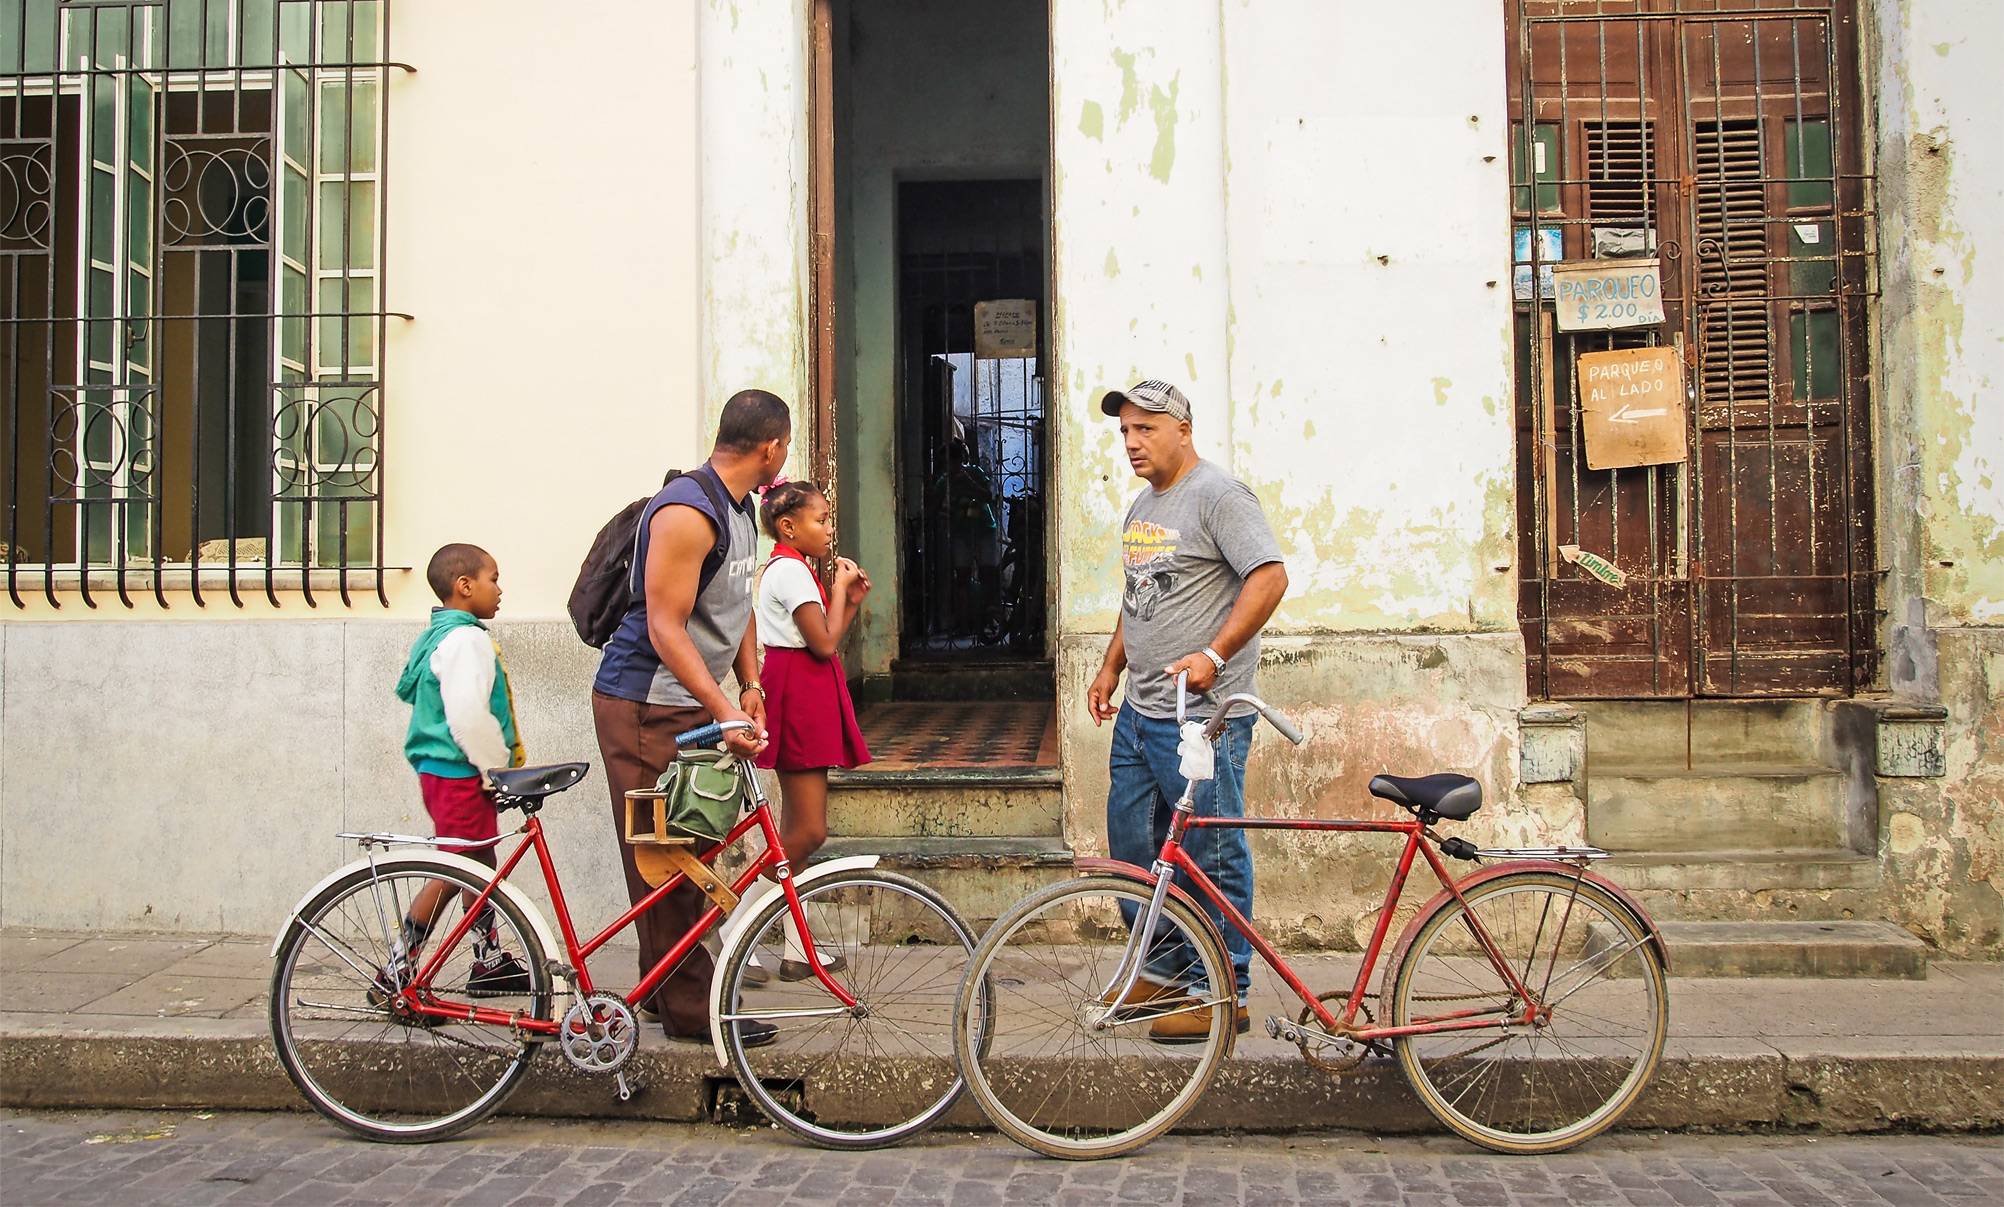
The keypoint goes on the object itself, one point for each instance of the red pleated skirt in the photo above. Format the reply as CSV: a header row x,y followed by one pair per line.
x,y
808,713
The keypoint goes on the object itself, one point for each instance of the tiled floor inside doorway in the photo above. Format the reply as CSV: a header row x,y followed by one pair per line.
x,y
957,735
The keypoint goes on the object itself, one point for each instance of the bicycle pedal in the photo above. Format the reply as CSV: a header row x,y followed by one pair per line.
x,y
1280,1028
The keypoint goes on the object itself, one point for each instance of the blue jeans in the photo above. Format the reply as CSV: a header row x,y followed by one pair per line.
x,y
1146,784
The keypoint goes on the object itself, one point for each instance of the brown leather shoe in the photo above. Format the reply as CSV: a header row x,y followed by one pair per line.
x,y
1144,992
1192,1026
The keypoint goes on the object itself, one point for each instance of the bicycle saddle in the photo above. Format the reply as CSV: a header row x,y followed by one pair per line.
x,y
1453,797
535,783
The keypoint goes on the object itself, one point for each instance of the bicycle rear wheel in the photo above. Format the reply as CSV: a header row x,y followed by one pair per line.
x,y
1053,1069
833,1074
1535,1088
351,1045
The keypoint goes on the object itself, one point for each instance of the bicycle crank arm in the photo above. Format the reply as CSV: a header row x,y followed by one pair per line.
x,y
1301,1037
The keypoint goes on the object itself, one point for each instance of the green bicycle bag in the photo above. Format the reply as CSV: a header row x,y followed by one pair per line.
x,y
705,794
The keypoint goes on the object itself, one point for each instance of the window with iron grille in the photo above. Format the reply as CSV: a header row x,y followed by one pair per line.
x,y
191,295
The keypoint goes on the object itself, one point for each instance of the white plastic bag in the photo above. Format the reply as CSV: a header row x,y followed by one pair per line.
x,y
1197,757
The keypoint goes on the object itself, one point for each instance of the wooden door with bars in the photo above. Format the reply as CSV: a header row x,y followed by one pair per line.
x,y
1720,138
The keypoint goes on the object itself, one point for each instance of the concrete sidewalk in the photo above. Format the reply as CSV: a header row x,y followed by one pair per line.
x,y
106,1020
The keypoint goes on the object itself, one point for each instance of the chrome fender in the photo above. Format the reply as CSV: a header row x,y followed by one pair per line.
x,y
553,947
737,932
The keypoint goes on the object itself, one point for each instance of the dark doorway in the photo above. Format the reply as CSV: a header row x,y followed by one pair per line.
x,y
972,450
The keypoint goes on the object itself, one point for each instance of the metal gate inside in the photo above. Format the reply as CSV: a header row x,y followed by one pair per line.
x,y
1704,157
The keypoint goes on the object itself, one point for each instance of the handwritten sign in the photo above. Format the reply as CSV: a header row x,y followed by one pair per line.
x,y
1632,400
1594,564
1605,295
1005,328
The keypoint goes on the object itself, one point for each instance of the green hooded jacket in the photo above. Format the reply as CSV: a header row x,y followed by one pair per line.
x,y
429,744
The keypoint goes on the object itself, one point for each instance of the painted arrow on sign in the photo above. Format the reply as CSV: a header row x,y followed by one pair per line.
x,y
1628,414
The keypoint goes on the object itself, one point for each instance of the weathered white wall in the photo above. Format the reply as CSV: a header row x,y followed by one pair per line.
x,y
1253,200
1940,453
1941,200
931,92
754,268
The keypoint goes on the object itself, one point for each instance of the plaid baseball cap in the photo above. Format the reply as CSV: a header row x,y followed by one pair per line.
x,y
1150,395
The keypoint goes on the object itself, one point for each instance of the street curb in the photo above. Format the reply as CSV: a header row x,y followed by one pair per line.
x,y
1702,1085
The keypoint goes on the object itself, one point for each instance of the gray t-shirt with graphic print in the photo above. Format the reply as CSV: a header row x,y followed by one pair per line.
x,y
1185,552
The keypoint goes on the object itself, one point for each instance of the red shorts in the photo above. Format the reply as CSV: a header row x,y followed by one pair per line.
x,y
458,808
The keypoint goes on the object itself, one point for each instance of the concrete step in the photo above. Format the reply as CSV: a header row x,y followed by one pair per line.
x,y
1720,806
1745,870
1677,732
981,877
947,804
1850,949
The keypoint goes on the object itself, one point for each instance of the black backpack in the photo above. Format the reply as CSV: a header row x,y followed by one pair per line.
x,y
607,586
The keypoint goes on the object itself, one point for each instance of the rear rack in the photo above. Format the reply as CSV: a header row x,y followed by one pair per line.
x,y
1561,853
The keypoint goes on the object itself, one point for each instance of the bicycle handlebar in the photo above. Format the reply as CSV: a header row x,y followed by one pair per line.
x,y
1274,716
705,735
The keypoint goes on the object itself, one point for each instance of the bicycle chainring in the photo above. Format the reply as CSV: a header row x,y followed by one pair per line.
x,y
1353,1051
599,1033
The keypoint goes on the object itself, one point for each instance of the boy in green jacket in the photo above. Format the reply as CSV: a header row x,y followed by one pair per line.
x,y
462,727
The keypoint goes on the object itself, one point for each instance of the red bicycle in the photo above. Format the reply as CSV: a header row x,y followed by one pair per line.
x,y
1526,1002
857,968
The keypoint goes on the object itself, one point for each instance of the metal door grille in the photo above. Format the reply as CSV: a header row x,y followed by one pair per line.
x,y
1722,136
191,294
971,438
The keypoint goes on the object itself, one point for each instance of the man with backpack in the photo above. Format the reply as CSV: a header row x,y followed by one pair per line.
x,y
686,623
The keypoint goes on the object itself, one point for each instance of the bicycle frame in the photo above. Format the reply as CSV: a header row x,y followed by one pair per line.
x,y
1175,858
772,860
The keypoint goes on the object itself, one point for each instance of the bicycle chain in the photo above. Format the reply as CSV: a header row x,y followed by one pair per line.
x,y
1351,1061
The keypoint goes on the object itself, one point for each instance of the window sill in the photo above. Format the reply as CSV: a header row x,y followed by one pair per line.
x,y
179,579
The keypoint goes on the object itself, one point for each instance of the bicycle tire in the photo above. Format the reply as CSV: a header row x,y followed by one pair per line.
x,y
350,1087
978,1035
1604,1043
908,990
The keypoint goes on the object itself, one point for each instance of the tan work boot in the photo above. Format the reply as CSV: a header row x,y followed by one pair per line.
x,y
1143,993
1192,1026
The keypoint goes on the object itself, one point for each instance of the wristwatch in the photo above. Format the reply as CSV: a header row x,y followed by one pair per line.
x,y
1213,656
756,686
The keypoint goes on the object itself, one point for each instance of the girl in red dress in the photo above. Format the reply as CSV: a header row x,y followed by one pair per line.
x,y
808,713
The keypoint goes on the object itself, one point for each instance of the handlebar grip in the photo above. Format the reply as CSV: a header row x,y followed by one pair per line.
x,y
1278,720
702,735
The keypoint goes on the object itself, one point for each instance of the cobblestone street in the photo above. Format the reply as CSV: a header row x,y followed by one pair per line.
x,y
195,1158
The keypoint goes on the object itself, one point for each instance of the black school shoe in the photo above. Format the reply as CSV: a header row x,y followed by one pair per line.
x,y
504,974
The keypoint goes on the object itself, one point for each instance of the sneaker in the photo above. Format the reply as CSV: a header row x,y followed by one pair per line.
x,y
800,970
751,1032
502,974
1192,1026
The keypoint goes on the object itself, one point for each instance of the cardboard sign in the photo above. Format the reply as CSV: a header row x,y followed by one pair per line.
x,y
1605,295
1594,564
1632,401
1005,328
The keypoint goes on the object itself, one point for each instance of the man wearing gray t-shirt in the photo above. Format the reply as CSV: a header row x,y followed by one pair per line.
x,y
1203,574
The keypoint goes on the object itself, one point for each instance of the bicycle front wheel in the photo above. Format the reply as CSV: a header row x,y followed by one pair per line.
x,y
1056,1066
352,1045
1598,980
834,1073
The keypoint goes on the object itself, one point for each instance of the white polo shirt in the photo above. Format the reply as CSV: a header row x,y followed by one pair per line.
x,y
786,584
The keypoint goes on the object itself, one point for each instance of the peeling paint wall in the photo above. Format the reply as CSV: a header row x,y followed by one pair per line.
x,y
754,228
1940,455
1343,334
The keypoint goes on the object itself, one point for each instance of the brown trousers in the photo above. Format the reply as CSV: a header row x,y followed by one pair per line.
x,y
636,742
